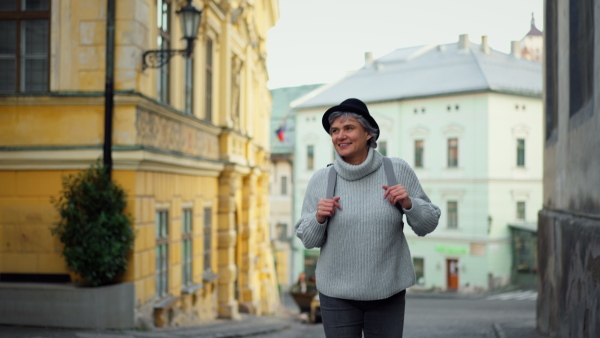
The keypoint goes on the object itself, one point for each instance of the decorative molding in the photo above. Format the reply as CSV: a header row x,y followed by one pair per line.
x,y
520,130
458,193
138,160
419,131
453,129
308,138
520,194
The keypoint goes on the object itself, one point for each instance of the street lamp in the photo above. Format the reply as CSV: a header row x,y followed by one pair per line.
x,y
190,21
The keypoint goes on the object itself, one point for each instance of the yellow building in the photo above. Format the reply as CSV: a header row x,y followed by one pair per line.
x,y
193,158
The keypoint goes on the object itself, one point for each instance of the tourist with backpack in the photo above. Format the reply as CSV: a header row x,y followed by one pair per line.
x,y
353,211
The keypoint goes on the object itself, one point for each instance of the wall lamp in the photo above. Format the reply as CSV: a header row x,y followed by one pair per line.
x,y
190,21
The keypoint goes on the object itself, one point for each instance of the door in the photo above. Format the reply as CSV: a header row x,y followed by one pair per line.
x,y
452,273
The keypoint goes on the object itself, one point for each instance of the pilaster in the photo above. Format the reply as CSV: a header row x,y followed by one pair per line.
x,y
247,251
226,242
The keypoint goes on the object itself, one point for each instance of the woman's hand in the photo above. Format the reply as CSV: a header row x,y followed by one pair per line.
x,y
397,194
326,208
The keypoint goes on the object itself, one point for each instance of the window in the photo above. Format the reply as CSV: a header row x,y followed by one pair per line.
x,y
208,75
521,210
284,185
520,152
186,239
419,154
24,46
382,148
207,238
310,157
164,42
419,264
162,253
452,153
452,214
282,230
189,85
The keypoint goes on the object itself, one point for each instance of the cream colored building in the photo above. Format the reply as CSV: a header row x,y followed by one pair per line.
x,y
282,131
198,168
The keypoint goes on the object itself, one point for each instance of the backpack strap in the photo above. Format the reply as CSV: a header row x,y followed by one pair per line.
x,y
332,178
391,178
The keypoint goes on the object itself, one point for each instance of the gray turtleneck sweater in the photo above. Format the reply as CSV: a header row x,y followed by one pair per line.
x,y
364,254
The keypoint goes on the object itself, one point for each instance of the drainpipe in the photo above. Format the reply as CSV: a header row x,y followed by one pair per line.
x,y
109,88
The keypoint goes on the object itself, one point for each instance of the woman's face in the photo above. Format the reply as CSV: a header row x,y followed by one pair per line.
x,y
350,139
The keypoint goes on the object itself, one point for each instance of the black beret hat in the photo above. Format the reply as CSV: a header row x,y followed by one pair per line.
x,y
353,106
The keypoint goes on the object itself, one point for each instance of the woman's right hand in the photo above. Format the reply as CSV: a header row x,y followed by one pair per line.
x,y
326,208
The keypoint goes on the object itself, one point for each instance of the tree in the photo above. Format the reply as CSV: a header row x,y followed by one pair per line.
x,y
93,228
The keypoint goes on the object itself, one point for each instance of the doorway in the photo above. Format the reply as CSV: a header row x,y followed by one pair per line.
x,y
452,274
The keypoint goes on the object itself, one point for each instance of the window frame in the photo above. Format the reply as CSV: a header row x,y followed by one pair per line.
x,y
284,185
19,16
452,218
207,237
521,210
521,153
162,253
187,246
208,82
452,152
422,259
310,157
164,42
419,153
382,145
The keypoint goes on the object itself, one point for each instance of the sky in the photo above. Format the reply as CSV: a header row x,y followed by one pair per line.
x,y
320,41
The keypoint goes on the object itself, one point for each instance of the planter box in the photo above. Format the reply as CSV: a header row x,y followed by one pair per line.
x,y
105,307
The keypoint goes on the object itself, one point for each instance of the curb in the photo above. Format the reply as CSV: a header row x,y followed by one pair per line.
x,y
498,331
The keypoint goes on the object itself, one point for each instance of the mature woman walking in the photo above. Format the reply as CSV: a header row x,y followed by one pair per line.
x,y
365,265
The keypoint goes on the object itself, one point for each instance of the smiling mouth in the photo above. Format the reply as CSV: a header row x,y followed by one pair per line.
x,y
343,145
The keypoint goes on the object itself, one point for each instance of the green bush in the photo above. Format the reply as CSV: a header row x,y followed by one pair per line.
x,y
93,228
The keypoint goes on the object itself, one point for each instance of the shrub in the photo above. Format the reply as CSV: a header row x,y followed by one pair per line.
x,y
93,228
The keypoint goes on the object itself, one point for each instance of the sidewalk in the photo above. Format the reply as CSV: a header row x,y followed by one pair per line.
x,y
246,327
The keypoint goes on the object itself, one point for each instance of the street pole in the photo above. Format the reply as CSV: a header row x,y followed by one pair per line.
x,y
109,87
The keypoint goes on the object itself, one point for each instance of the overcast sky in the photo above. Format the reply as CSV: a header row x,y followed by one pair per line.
x,y
319,41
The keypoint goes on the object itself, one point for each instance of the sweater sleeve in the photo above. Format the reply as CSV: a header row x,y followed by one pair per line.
x,y
312,233
424,216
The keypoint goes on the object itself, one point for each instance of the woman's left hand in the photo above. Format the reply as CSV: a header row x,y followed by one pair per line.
x,y
397,194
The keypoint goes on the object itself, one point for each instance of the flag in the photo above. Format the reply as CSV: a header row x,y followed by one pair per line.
x,y
280,132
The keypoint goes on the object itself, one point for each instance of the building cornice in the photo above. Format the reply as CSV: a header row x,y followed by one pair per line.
x,y
531,94
124,158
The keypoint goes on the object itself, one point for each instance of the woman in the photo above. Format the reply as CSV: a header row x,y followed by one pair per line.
x,y
365,266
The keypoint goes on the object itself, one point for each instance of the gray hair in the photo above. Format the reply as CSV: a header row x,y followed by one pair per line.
x,y
372,142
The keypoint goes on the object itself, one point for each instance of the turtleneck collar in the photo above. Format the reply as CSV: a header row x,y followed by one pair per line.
x,y
352,172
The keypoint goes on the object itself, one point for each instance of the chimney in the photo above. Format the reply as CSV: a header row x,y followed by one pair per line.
x,y
368,58
515,49
463,41
485,48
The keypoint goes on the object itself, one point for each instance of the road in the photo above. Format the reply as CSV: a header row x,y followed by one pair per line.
x,y
427,315
452,315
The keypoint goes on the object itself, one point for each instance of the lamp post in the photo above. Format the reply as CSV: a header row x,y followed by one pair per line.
x,y
190,22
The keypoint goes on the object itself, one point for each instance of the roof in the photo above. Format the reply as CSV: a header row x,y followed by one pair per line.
x,y
282,113
432,70
534,31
